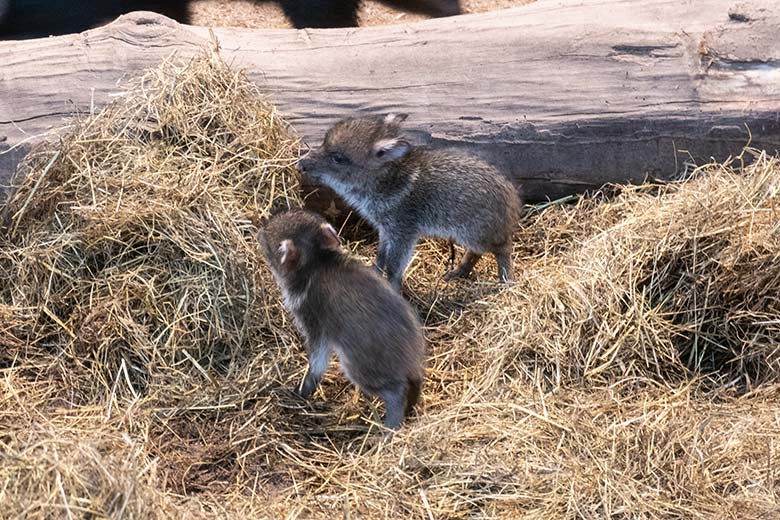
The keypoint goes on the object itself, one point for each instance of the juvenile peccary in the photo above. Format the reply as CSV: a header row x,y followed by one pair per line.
x,y
406,192
341,305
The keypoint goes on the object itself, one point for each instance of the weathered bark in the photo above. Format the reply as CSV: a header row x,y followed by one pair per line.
x,y
562,95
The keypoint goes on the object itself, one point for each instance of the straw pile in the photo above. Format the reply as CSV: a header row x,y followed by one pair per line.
x,y
631,372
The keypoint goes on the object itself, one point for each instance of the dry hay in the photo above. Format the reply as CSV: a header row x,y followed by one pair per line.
x,y
136,285
631,372
656,282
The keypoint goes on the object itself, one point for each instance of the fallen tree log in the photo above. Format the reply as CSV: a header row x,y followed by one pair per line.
x,y
562,96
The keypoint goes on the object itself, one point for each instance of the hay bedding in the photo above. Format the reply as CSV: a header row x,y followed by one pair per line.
x,y
631,372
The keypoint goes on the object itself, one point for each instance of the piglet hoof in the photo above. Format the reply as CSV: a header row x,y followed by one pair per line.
x,y
386,435
305,391
452,275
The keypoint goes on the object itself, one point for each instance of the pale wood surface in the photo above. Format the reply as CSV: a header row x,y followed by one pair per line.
x,y
563,95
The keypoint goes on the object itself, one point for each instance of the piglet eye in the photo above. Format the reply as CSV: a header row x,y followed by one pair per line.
x,y
339,158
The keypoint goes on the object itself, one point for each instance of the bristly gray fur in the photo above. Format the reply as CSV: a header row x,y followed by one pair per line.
x,y
409,192
341,305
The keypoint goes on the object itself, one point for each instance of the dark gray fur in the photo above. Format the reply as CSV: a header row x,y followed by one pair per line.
x,y
41,18
341,305
408,192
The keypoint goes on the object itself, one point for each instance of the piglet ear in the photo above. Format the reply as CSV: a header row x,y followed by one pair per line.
x,y
288,254
386,150
330,238
395,119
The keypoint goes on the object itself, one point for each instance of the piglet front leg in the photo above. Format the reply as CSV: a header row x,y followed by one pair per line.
x,y
319,353
399,250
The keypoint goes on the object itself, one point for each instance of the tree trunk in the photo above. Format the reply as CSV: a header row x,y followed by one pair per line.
x,y
563,96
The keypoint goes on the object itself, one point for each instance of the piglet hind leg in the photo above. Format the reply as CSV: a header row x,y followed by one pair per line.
x,y
413,394
394,397
470,259
504,261
381,257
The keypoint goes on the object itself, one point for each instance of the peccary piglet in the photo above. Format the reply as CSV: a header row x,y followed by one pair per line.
x,y
341,305
406,192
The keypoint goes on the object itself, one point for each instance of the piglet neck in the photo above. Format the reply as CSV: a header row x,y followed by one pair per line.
x,y
324,260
